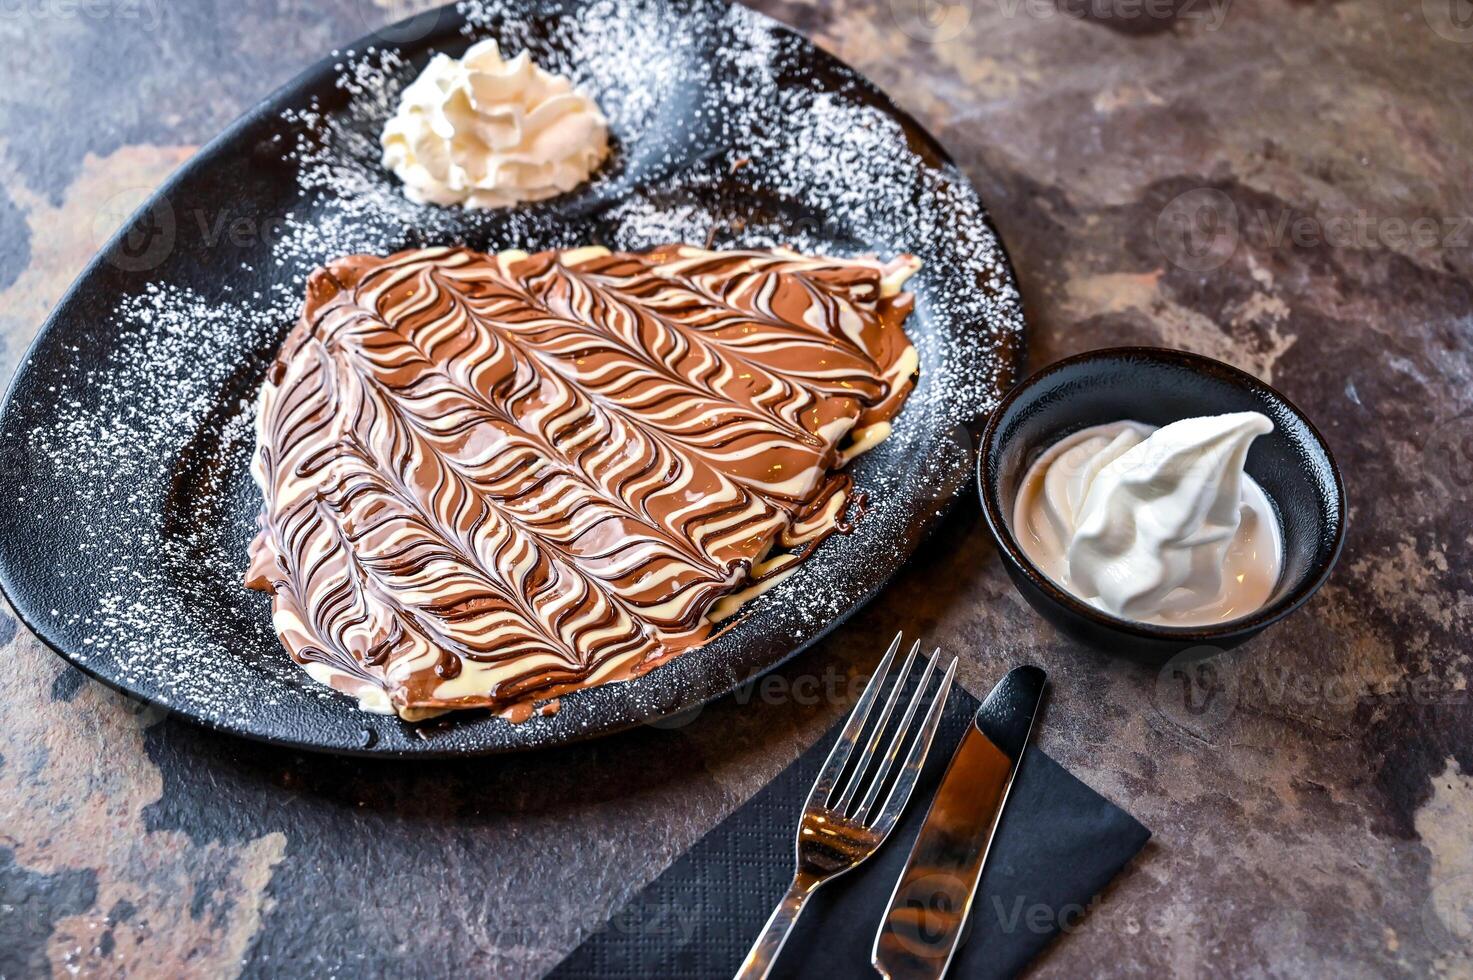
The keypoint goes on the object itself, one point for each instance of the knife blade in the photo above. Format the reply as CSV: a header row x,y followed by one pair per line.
x,y
923,926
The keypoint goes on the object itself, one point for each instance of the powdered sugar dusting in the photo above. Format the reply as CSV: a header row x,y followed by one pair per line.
x,y
727,128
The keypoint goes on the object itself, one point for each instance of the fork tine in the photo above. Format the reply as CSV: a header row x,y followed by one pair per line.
x,y
867,756
906,781
877,781
839,754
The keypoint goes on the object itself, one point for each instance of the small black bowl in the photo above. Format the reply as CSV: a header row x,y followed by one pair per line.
x,y
1157,386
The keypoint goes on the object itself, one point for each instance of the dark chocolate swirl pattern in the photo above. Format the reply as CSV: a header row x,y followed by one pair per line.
x,y
490,480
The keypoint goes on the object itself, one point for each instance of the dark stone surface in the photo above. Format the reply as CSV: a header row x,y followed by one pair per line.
x,y
1310,799
29,904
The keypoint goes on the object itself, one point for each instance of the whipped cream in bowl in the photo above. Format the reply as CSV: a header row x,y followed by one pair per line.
x,y
1151,502
1158,525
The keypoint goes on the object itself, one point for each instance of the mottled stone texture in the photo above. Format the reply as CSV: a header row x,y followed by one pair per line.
x,y
1312,799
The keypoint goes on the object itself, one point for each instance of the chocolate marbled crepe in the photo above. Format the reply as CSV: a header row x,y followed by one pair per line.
x,y
490,480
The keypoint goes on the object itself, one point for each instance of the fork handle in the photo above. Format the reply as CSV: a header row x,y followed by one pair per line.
x,y
764,951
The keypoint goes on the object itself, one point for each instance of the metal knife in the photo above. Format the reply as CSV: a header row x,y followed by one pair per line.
x,y
921,931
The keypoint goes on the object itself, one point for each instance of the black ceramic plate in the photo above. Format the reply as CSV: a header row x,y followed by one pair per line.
x,y
126,504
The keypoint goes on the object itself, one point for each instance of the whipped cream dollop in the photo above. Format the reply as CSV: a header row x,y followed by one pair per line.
x,y
1156,525
484,132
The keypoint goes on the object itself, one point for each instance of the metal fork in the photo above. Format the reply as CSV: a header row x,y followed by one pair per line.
x,y
841,828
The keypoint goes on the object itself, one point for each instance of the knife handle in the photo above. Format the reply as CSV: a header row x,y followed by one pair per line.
x,y
933,897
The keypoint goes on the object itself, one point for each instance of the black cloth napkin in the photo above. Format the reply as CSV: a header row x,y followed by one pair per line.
x,y
1060,843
